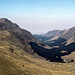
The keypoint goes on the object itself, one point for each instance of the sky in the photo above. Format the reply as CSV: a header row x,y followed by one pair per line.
x,y
39,16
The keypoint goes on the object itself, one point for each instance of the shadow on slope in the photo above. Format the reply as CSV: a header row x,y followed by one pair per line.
x,y
57,42
54,54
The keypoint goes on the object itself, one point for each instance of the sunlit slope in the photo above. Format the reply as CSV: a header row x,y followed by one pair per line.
x,y
16,64
15,61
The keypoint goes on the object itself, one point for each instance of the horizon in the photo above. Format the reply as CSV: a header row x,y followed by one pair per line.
x,y
39,16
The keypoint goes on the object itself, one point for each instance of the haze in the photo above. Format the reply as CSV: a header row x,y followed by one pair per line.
x,y
39,16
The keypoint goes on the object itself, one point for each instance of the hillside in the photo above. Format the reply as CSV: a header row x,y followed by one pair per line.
x,y
21,37
15,61
66,44
69,35
55,33
52,33
62,44
50,36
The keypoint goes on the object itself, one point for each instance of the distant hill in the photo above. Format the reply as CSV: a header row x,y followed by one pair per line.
x,y
62,41
61,37
52,33
55,33
69,35
43,38
50,36
65,42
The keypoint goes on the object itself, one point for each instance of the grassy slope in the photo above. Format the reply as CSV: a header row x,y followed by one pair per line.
x,y
21,63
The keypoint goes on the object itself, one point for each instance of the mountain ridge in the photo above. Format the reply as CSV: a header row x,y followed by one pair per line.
x,y
23,35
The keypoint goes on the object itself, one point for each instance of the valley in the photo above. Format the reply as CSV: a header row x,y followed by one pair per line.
x,y
21,53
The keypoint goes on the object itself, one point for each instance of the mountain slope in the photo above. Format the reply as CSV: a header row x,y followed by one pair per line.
x,y
62,45
69,35
55,33
65,44
19,62
50,36
22,35
52,33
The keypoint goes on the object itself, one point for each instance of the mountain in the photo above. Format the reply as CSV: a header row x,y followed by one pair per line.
x,y
5,24
50,36
66,44
43,38
62,43
17,50
63,37
51,33
24,36
69,35
55,33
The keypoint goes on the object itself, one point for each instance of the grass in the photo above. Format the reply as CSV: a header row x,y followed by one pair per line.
x,y
19,62
16,64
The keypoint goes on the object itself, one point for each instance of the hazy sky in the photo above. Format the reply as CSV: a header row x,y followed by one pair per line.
x,y
39,16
